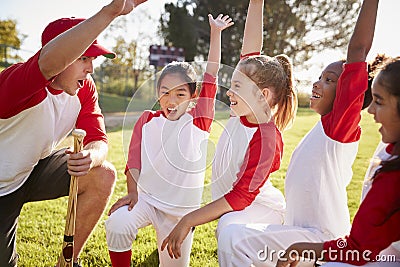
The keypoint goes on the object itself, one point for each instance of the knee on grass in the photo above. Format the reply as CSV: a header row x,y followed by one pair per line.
x,y
119,234
100,180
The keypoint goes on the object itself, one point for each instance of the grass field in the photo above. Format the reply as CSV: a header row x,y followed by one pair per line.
x,y
41,224
115,103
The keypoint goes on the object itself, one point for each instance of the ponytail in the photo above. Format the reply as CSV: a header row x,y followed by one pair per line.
x,y
276,74
287,101
373,68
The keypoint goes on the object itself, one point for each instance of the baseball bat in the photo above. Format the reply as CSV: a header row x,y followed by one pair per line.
x,y
67,256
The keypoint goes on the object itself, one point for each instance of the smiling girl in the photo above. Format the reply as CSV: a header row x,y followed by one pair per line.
x,y
263,103
166,161
376,223
321,165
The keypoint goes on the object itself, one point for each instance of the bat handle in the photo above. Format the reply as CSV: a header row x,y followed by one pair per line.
x,y
67,255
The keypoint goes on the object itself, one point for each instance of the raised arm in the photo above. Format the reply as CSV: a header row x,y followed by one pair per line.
x,y
63,50
217,25
361,40
253,28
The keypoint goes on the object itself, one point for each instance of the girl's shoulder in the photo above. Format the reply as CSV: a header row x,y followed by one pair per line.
x,y
147,115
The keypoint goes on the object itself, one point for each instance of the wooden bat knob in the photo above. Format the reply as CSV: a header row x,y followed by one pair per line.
x,y
78,135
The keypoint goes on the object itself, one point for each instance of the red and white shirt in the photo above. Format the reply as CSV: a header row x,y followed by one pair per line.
x,y
321,165
34,119
171,155
245,156
376,223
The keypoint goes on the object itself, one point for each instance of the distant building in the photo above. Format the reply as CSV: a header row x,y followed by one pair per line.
x,y
161,55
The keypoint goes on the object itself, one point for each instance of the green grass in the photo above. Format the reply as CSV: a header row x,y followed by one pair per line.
x,y
41,224
115,103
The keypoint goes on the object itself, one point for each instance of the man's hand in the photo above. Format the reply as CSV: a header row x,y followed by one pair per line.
x,y
79,164
123,7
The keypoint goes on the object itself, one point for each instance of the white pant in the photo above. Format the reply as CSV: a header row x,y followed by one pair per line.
x,y
259,244
255,213
122,227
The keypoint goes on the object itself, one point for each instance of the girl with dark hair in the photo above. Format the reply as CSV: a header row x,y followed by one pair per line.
x,y
321,165
376,223
166,160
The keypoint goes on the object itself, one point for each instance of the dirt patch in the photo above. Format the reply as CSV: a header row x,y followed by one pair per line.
x,y
116,120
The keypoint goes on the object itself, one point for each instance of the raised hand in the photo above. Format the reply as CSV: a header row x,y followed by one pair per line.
x,y
220,23
124,7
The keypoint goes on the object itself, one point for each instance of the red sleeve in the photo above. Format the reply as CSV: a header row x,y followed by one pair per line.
x,y
250,54
375,226
134,153
90,117
263,157
22,86
341,124
203,112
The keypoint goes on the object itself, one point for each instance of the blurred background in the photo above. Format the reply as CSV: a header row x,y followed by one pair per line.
x,y
311,33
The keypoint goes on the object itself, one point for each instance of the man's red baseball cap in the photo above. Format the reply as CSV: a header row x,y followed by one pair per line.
x,y
61,25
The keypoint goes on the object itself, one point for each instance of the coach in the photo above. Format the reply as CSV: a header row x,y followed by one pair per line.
x,y
41,101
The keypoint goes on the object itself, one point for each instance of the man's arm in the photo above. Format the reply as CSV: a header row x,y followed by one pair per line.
x,y
92,155
63,50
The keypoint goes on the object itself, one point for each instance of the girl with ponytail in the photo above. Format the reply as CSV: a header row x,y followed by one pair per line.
x,y
320,167
274,74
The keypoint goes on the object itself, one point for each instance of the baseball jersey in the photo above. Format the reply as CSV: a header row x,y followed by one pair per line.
x,y
245,156
171,155
382,152
35,118
375,225
321,165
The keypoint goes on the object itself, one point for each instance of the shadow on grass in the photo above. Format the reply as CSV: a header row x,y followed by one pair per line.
x,y
150,261
113,129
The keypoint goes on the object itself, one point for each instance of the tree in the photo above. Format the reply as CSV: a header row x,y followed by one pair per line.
x,y
9,40
183,36
123,74
298,28
121,70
